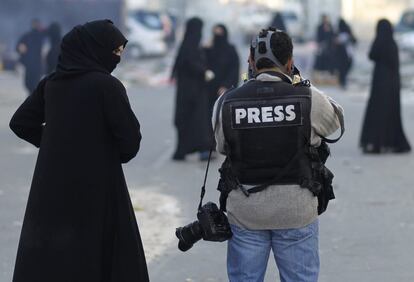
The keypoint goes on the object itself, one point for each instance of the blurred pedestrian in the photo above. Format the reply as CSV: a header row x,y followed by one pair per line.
x,y
324,60
344,44
382,130
54,34
191,106
278,22
79,223
224,61
29,47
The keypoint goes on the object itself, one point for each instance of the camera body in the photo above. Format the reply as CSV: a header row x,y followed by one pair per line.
x,y
212,225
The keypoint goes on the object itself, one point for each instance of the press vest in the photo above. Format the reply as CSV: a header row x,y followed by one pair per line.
x,y
267,125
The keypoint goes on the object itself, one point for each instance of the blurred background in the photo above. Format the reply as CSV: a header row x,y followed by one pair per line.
x,y
367,234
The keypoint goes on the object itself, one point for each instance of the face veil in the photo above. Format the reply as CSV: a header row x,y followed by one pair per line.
x,y
88,48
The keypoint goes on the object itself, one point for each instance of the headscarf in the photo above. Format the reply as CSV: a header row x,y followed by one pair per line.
x,y
193,33
343,26
221,41
89,48
190,44
384,30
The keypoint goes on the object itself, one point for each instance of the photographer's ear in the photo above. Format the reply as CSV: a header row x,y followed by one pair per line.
x,y
252,63
290,66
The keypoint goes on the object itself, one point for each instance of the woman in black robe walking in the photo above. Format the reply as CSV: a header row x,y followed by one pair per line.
x,y
79,223
325,35
382,130
29,48
191,106
344,43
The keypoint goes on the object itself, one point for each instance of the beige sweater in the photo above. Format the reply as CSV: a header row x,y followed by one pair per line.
x,y
280,206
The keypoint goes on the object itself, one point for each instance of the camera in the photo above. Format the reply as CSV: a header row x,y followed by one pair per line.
x,y
212,225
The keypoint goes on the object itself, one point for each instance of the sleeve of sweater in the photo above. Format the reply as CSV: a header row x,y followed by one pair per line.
x,y
218,126
324,120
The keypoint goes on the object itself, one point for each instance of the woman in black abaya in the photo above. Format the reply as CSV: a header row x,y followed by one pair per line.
x,y
344,42
324,60
79,223
223,60
382,129
191,106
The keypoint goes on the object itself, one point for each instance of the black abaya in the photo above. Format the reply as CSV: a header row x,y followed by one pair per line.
x,y
382,130
191,106
343,57
223,60
324,60
79,223
32,58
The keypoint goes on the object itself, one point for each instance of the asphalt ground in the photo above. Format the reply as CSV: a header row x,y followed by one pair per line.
x,y
366,235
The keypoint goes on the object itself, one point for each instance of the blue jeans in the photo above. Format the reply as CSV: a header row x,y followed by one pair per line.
x,y
296,253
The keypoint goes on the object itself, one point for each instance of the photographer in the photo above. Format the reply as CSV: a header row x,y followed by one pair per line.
x,y
268,129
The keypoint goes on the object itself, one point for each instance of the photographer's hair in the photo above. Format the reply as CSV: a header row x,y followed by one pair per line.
x,y
281,45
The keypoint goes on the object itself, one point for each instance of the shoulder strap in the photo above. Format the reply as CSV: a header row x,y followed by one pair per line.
x,y
279,176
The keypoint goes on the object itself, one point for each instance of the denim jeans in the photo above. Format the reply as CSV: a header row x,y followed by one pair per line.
x,y
296,253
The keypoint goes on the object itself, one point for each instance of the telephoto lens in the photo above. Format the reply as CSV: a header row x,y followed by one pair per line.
x,y
188,235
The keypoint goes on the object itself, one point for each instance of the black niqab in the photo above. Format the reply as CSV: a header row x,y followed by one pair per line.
x,y
384,30
221,40
191,42
343,26
192,35
88,48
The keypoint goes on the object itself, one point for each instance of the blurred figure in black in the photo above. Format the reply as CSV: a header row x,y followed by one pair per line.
x,y
191,108
223,60
344,43
325,37
29,47
382,130
54,34
278,22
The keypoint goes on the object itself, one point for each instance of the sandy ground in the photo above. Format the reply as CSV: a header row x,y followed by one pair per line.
x,y
157,215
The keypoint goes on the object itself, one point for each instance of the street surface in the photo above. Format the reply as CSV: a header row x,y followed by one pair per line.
x,y
366,235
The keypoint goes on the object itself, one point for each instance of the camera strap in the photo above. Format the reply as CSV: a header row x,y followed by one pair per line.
x,y
342,124
217,116
203,188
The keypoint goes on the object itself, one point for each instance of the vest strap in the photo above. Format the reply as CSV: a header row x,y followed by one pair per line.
x,y
279,176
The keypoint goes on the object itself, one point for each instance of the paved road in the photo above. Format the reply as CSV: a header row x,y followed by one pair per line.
x,y
367,234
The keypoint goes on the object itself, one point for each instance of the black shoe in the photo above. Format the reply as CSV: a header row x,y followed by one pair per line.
x,y
178,157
